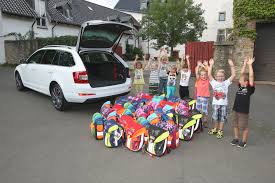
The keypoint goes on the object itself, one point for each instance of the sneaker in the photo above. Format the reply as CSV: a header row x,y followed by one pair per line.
x,y
213,131
220,134
234,142
242,144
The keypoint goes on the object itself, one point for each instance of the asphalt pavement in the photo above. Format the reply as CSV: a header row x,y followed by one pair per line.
x,y
41,145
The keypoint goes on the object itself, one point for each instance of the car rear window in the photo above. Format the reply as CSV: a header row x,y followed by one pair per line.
x,y
66,59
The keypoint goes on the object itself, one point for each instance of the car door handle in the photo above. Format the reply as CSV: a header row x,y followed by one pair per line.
x,y
33,69
50,72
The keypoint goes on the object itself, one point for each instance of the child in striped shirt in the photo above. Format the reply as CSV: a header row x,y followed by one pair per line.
x,y
154,77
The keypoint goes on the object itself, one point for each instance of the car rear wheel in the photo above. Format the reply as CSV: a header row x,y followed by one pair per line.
x,y
18,81
58,99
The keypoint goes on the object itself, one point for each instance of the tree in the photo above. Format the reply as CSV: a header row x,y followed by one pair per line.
x,y
173,22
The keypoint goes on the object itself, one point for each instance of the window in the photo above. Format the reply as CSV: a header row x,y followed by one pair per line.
x,y
36,57
41,21
56,59
48,57
221,35
66,10
224,34
222,16
97,57
66,59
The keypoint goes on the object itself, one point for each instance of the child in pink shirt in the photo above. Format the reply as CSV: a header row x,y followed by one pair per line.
x,y
202,91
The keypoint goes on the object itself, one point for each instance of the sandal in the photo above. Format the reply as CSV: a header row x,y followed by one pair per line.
x,y
213,131
220,134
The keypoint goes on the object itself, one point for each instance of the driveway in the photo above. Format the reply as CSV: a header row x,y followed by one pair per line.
x,y
40,144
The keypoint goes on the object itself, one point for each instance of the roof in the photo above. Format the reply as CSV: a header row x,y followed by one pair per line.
x,y
128,5
83,11
17,7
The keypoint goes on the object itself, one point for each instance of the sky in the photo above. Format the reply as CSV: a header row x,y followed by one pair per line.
x,y
107,3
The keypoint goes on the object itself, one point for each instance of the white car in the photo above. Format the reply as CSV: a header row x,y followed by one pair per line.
x,y
89,71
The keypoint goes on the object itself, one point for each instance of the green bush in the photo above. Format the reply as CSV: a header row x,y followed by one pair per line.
x,y
131,52
62,40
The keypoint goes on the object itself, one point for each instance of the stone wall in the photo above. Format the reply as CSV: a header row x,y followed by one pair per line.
x,y
18,50
223,52
237,51
243,47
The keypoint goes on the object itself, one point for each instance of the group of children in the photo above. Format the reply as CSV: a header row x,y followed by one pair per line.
x,y
163,78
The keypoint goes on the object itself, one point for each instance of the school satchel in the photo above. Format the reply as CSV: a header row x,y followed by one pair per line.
x,y
113,134
97,126
195,114
157,141
134,133
191,103
170,126
186,127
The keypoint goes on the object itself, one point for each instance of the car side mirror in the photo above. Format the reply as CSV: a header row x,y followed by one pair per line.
x,y
22,61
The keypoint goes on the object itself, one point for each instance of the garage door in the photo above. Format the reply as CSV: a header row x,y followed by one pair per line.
x,y
265,52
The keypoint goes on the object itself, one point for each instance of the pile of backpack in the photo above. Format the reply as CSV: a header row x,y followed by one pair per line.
x,y
152,124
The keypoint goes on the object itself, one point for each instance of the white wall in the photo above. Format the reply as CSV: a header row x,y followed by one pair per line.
x,y
40,7
211,15
9,24
16,24
63,30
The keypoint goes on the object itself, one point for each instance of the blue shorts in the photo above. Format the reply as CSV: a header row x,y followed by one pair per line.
x,y
219,113
202,104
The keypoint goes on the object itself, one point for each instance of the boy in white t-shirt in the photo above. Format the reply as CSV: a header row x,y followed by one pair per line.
x,y
220,102
185,73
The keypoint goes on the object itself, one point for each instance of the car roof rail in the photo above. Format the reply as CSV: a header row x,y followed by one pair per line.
x,y
57,46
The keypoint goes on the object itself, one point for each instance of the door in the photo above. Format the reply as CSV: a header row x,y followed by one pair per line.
x,y
100,35
30,70
46,70
264,66
199,51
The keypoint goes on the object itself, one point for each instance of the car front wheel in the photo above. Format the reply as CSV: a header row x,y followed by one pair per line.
x,y
58,99
18,81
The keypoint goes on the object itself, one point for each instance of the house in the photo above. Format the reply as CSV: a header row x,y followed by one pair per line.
x,y
218,16
21,19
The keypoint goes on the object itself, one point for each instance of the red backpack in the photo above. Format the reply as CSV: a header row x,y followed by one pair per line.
x,y
134,133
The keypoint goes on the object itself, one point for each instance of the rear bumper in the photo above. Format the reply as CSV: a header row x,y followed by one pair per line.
x,y
93,94
93,100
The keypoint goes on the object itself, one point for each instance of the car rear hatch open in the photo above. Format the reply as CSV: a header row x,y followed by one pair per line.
x,y
95,45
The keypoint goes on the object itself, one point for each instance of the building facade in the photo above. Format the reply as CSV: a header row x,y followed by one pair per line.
x,y
24,19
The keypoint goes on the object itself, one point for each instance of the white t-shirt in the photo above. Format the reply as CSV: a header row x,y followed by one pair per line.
x,y
220,90
172,79
184,78
163,71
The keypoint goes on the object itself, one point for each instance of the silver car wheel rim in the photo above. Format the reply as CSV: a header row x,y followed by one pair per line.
x,y
57,97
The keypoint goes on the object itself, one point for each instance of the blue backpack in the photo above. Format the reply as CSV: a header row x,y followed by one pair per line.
x,y
113,134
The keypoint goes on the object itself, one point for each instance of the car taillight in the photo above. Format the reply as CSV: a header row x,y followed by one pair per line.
x,y
81,77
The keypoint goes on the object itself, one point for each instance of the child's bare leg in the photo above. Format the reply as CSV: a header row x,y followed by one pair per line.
x,y
221,126
245,135
216,124
205,120
236,132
